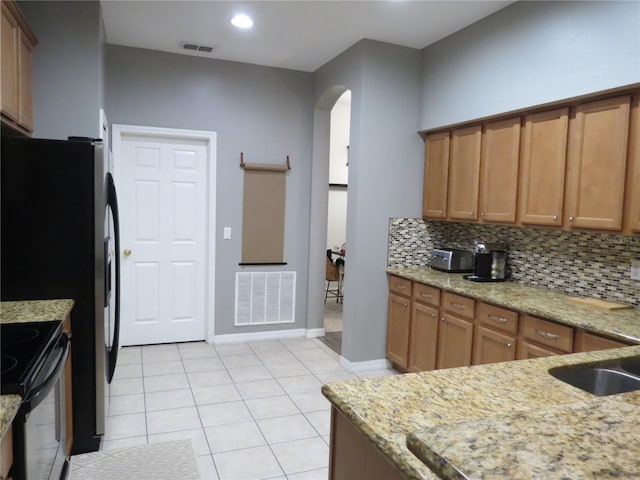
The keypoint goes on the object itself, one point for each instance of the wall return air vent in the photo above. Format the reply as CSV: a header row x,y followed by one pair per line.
x,y
195,47
265,298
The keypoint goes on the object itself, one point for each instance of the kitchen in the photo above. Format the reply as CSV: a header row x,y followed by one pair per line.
x,y
147,88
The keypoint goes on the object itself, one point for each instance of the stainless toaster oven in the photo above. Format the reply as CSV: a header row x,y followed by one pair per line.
x,y
452,260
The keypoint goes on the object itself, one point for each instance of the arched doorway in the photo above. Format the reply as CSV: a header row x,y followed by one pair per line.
x,y
339,131
319,241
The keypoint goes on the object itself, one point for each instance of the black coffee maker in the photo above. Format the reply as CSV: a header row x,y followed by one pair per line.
x,y
489,265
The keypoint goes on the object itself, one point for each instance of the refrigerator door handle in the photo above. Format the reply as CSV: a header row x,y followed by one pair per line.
x,y
112,202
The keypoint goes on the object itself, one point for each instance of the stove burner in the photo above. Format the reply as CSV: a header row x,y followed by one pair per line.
x,y
25,349
7,363
19,335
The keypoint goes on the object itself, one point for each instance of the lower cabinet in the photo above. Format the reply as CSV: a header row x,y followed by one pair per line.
x,y
492,346
542,338
423,338
495,338
455,341
353,456
589,342
398,328
429,328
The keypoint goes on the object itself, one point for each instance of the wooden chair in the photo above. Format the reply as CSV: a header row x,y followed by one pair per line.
x,y
333,274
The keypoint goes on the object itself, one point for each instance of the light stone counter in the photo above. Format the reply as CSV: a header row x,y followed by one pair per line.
x,y
24,312
34,310
456,401
618,324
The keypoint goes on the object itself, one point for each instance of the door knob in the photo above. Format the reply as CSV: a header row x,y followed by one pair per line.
x,y
127,252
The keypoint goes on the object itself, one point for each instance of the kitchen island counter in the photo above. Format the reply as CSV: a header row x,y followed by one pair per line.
x,y
623,325
390,411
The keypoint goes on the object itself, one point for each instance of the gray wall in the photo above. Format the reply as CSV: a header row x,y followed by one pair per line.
x,y
385,177
264,112
528,54
67,67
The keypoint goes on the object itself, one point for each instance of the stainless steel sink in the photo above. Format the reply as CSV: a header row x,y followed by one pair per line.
x,y
603,379
631,365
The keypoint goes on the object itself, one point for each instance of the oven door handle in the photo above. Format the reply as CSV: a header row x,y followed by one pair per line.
x,y
40,391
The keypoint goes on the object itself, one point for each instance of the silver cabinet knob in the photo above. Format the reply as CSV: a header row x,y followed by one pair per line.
x,y
571,219
555,218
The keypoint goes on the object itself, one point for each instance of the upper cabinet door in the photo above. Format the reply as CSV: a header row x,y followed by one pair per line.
x,y
499,176
633,177
464,173
9,63
597,159
544,155
436,175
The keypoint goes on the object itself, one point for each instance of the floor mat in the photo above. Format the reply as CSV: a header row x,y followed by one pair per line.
x,y
159,461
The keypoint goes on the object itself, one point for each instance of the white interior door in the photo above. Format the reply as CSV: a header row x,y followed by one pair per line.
x,y
164,182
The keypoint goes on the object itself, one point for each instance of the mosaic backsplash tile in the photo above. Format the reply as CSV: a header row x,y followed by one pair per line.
x,y
576,263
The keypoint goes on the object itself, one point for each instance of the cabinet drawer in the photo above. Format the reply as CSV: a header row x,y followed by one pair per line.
x,y
547,333
458,305
498,318
401,286
426,294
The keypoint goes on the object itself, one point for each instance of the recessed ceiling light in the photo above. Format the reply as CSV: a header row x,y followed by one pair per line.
x,y
242,21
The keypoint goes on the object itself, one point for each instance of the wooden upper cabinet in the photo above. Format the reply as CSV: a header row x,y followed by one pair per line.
x,y
633,176
597,159
25,76
543,162
464,173
499,171
9,63
16,75
436,175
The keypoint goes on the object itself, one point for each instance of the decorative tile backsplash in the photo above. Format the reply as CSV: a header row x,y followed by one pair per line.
x,y
576,263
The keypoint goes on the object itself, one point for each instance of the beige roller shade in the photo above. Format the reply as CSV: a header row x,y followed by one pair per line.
x,y
263,214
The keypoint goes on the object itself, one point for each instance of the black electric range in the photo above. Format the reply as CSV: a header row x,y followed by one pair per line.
x,y
26,348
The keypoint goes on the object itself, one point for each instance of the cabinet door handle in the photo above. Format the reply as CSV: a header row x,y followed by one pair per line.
x,y
443,319
497,319
571,219
459,306
405,305
509,345
555,218
544,334
433,315
471,213
426,295
401,287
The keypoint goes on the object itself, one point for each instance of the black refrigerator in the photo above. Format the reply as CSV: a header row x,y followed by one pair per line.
x,y
59,235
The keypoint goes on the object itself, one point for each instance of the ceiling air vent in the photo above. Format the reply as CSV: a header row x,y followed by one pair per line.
x,y
196,47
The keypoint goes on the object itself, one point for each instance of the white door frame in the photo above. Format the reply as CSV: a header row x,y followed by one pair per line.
x,y
210,138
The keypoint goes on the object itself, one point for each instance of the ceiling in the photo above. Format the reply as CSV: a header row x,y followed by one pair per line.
x,y
299,35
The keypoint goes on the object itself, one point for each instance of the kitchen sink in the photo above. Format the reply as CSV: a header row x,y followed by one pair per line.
x,y
631,365
603,379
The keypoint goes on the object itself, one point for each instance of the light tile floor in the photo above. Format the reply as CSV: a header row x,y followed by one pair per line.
x,y
251,410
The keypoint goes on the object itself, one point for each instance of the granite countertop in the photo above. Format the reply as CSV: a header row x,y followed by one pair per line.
x,y
34,310
509,400
24,312
623,325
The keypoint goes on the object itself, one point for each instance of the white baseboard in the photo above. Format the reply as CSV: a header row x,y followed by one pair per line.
x,y
269,335
379,364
